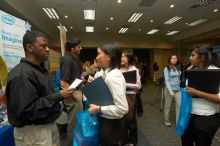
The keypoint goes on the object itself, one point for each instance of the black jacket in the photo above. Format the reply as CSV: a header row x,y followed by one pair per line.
x,y
30,96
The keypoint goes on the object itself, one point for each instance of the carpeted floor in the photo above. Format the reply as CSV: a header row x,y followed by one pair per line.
x,y
152,131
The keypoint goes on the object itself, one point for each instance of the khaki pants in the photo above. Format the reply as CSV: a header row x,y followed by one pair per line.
x,y
72,107
37,135
167,105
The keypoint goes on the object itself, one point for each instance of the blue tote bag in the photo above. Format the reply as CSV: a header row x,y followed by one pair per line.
x,y
87,130
185,112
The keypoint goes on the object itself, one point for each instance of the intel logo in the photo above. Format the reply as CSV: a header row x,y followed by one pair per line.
x,y
8,19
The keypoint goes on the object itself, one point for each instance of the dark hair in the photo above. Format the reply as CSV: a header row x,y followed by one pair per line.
x,y
30,37
114,52
131,58
204,53
169,63
72,43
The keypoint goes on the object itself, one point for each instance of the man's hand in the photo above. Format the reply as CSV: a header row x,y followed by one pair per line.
x,y
67,93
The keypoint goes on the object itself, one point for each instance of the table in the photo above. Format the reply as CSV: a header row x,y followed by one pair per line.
x,y
6,136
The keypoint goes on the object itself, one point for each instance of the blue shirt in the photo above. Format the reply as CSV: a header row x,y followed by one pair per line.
x,y
172,79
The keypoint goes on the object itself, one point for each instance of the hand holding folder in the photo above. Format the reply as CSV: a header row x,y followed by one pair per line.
x,y
97,92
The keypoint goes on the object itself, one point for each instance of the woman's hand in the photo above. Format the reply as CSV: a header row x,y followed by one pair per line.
x,y
192,91
93,109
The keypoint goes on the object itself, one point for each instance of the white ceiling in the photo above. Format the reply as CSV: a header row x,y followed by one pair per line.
x,y
160,12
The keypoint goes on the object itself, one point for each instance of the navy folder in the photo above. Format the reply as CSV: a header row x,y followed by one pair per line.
x,y
97,92
207,80
130,76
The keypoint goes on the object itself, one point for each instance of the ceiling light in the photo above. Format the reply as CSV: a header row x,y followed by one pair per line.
x,y
134,17
216,10
172,20
51,12
71,27
153,31
111,18
89,14
172,32
197,22
123,30
119,1
205,2
89,28
139,29
172,6
202,3
107,28
151,20
186,23
66,16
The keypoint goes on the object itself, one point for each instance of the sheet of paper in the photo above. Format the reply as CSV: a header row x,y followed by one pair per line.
x,y
75,84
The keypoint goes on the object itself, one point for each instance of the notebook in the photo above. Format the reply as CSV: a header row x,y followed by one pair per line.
x,y
130,76
97,92
207,80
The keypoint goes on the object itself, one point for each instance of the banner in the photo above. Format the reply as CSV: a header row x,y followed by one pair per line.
x,y
12,30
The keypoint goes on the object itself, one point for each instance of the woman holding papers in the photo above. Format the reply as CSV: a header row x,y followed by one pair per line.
x,y
113,131
127,64
205,118
172,83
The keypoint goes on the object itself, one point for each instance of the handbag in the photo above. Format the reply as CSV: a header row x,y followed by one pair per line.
x,y
185,112
87,129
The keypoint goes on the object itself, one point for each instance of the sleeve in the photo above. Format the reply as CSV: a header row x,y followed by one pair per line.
x,y
167,81
120,107
25,102
138,82
66,70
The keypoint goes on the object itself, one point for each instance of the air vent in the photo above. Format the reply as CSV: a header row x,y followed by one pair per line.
x,y
202,3
147,3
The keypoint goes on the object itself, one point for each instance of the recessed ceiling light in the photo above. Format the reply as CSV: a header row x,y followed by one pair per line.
x,y
89,28
172,6
134,17
107,28
51,13
216,10
172,32
151,20
111,18
89,14
186,23
153,31
139,29
66,16
197,22
172,20
119,1
71,27
123,30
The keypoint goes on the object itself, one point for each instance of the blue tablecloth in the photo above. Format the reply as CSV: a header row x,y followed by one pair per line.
x,y
6,136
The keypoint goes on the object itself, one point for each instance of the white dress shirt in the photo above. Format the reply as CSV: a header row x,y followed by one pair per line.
x,y
116,84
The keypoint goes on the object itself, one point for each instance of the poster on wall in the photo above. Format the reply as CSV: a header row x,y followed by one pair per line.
x,y
12,30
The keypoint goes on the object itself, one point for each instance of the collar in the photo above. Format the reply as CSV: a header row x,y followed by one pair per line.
x,y
41,66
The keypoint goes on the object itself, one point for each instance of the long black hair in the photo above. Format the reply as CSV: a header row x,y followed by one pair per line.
x,y
114,52
206,54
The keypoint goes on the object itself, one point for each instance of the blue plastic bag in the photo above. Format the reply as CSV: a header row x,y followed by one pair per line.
x,y
87,130
185,112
